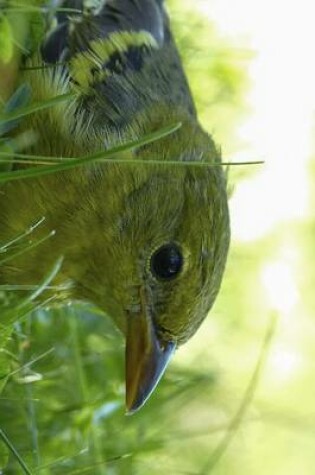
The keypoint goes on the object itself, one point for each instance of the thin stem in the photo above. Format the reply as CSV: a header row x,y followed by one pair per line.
x,y
16,454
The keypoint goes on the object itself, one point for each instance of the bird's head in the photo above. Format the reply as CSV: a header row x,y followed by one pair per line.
x,y
158,267
147,243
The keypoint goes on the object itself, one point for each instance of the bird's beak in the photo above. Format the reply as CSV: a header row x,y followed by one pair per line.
x,y
146,359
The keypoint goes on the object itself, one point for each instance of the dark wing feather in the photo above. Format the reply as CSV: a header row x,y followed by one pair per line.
x,y
114,16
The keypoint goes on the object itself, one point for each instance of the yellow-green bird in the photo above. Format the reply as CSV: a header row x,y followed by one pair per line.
x,y
147,243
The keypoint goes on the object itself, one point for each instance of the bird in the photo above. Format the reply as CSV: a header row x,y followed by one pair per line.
x,y
145,242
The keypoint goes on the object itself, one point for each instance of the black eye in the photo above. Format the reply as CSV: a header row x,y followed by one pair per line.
x,y
167,262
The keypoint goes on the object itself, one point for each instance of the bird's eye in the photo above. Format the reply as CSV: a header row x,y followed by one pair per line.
x,y
167,262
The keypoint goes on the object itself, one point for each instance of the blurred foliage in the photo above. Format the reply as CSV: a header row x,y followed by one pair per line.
x,y
61,369
217,71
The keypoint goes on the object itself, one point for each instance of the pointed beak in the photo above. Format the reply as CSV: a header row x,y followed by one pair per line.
x,y
146,359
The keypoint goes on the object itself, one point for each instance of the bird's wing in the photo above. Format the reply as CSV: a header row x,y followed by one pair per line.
x,y
121,55
95,20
